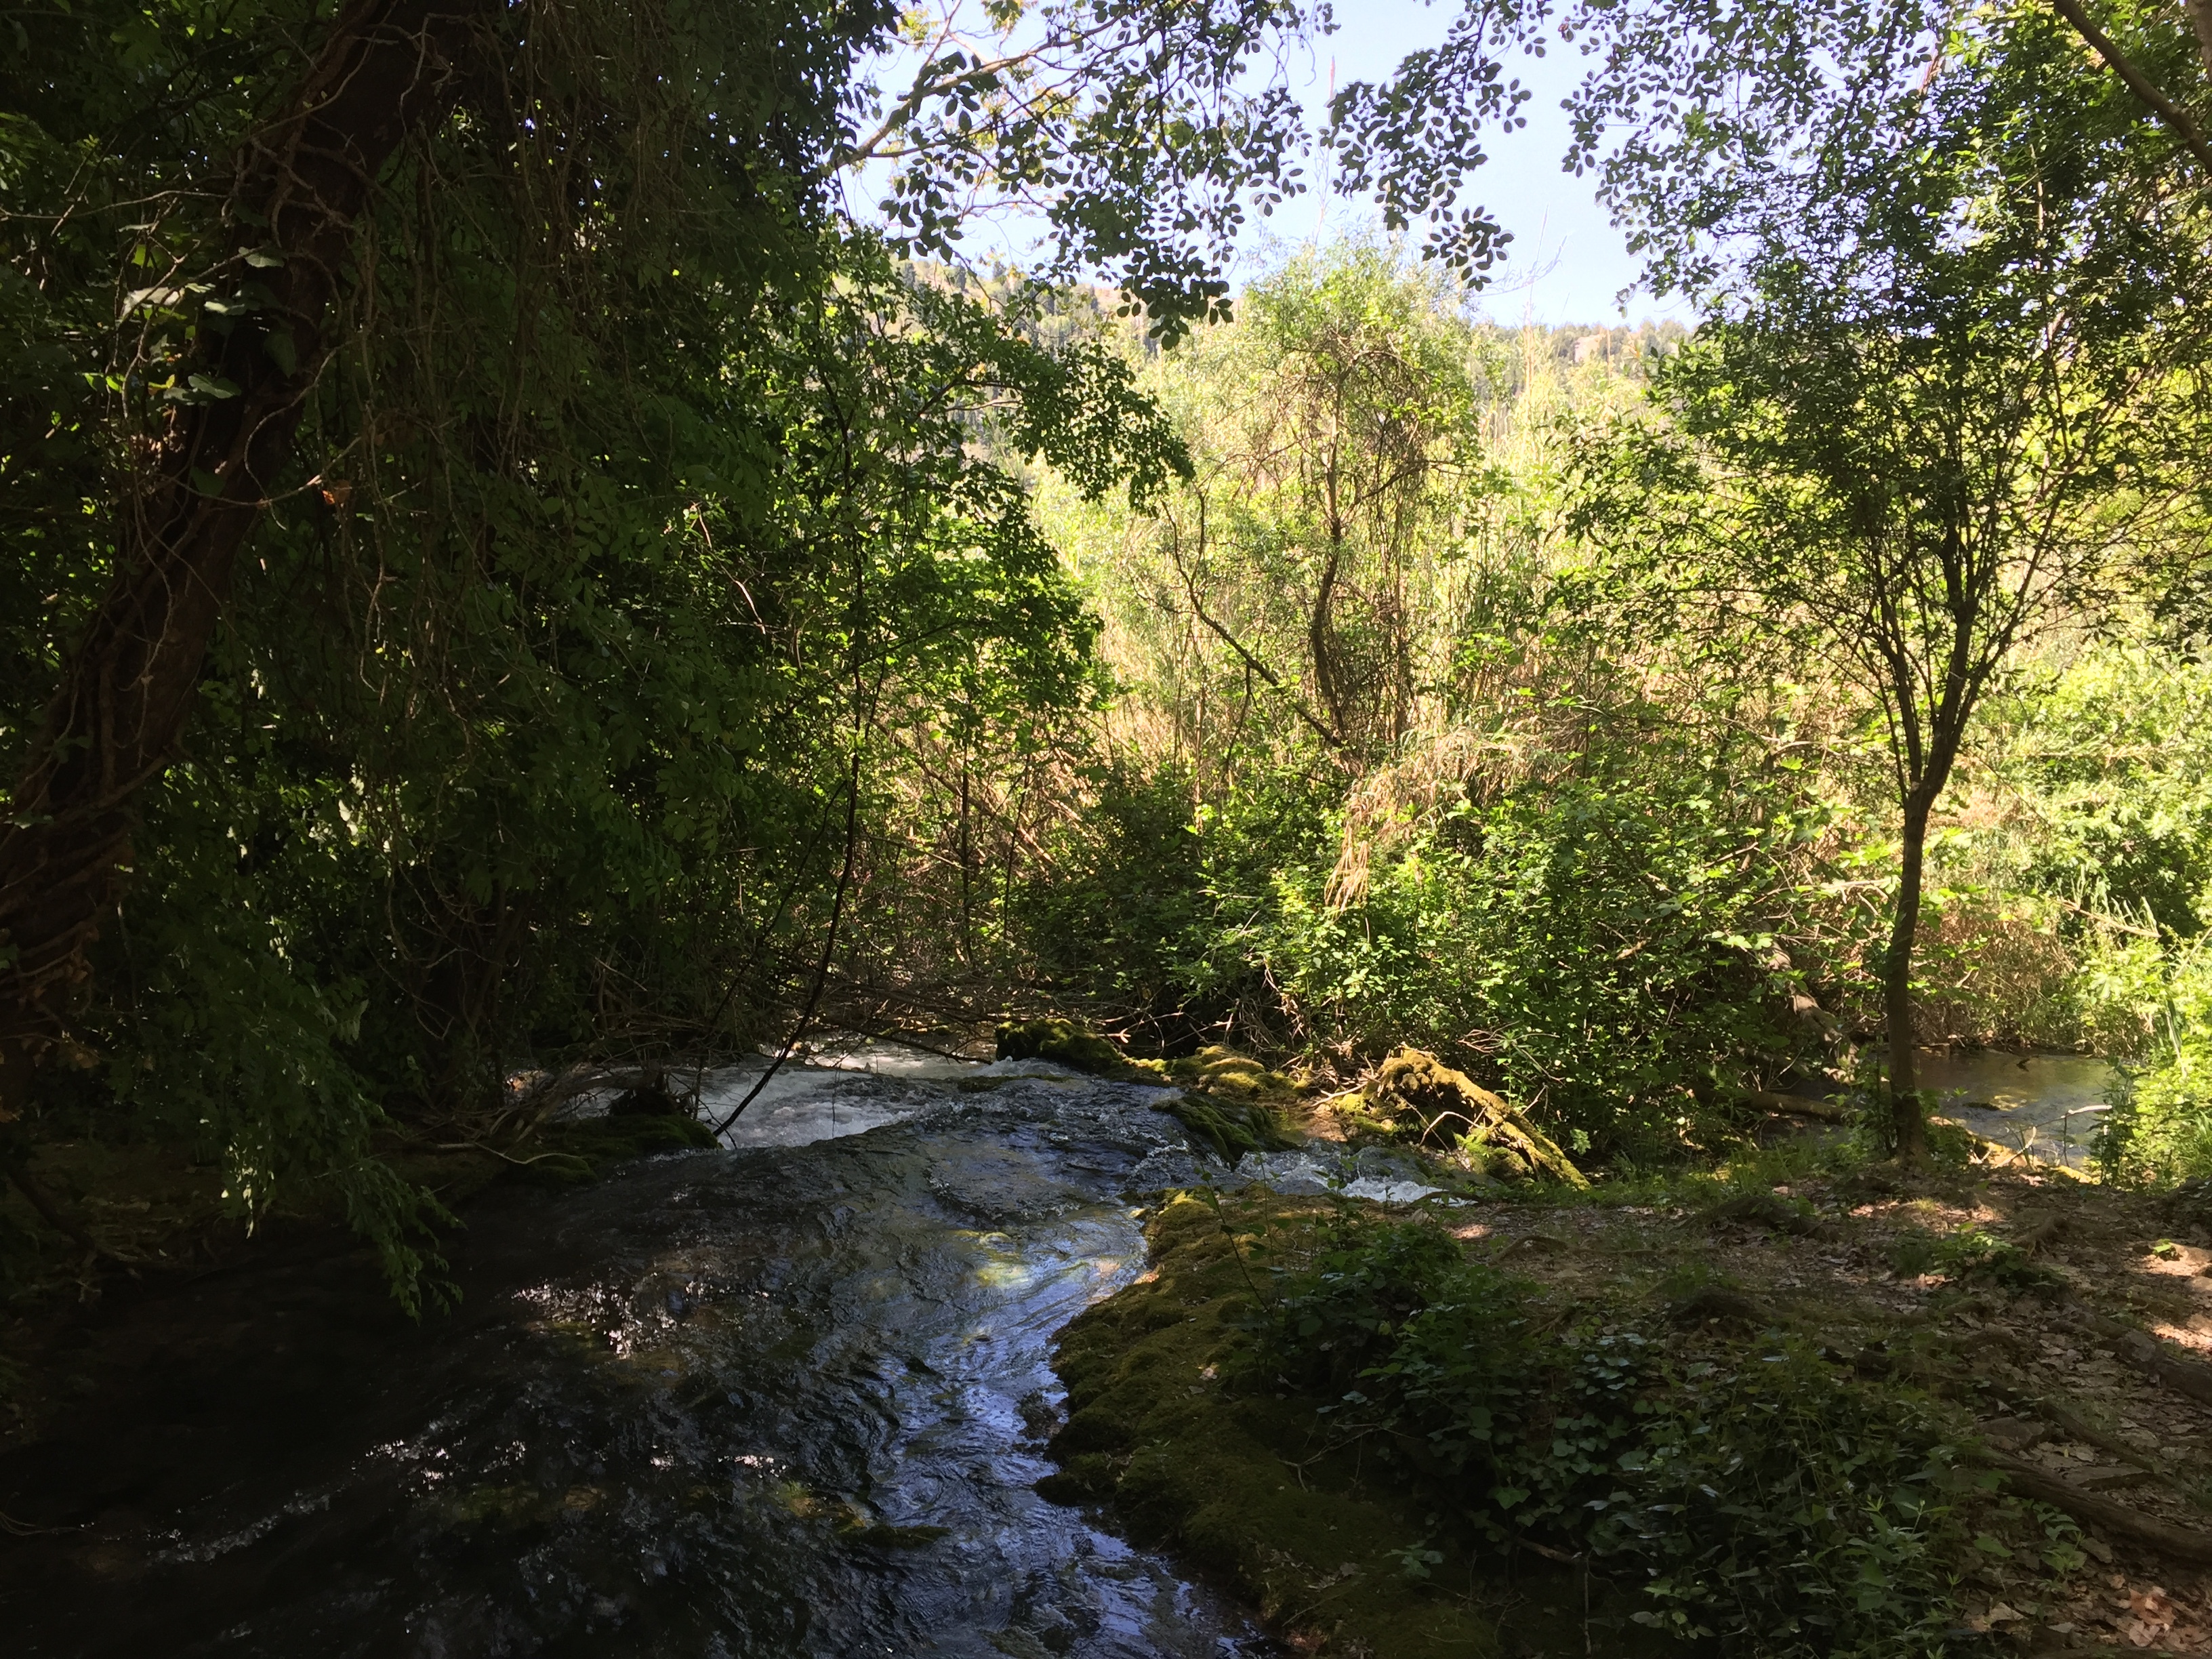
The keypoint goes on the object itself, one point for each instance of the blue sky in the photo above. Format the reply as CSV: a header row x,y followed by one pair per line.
x,y
1568,261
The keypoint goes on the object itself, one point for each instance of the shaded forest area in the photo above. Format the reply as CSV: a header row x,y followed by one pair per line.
x,y
511,583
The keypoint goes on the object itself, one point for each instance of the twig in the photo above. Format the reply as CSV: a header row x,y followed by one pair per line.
x,y
828,946
1549,1552
520,1163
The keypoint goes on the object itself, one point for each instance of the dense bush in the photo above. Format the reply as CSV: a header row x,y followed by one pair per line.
x,y
1622,948
1611,950
2093,803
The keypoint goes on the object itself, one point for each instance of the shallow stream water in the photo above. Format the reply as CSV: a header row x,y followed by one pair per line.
x,y
2048,1106
785,1399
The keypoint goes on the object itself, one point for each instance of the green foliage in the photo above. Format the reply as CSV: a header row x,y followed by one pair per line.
x,y
2160,1128
387,876
1379,774
1338,1316
1972,1254
2111,756
1758,1499
1138,132
1602,949
2097,769
1905,430
552,671
1125,898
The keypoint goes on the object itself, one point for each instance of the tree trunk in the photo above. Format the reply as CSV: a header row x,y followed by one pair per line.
x,y
1908,1117
2200,19
387,69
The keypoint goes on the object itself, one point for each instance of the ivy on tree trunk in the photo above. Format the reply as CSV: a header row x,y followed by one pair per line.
x,y
388,68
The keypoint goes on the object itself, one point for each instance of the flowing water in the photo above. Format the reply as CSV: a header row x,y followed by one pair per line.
x,y
786,1399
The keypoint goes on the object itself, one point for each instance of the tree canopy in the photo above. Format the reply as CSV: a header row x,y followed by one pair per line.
x,y
506,567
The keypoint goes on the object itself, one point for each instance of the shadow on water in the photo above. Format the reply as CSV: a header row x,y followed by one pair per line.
x,y
2048,1106
783,1400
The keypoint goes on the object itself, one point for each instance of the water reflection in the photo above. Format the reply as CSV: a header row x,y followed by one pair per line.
x,y
2047,1106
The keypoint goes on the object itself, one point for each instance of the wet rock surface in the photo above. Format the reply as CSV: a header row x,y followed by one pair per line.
x,y
783,1399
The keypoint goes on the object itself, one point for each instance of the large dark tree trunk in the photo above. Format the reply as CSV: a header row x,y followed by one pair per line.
x,y
388,68
1908,1115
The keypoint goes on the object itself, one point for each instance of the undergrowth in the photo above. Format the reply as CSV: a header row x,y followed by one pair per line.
x,y
1756,1497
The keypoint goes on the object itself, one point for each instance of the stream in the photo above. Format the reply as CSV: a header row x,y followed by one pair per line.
x,y
2047,1106
784,1399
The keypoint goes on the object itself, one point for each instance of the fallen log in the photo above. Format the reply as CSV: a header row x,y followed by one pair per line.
x,y
1414,1088
2183,1543
1822,1111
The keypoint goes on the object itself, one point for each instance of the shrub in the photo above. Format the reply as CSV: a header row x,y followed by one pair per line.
x,y
1611,951
1759,1500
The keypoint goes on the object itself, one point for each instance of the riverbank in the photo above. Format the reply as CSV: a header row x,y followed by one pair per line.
x,y
2041,1342
215,1437
145,1228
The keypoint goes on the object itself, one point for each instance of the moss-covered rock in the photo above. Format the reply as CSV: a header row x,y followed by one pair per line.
x,y
1231,1127
569,1153
1064,1043
1416,1094
1214,1070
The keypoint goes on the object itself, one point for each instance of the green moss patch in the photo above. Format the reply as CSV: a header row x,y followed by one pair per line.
x,y
1415,1096
1231,1127
1225,1102
1400,1436
1171,1427
1222,1071
1066,1043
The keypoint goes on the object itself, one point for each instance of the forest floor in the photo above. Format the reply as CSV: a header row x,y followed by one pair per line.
x,y
2043,1381
2055,1328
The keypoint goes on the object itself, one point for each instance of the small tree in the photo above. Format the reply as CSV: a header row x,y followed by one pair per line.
x,y
1337,432
1945,404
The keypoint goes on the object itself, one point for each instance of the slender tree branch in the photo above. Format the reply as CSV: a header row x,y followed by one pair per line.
x,y
1275,681
2139,83
829,947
